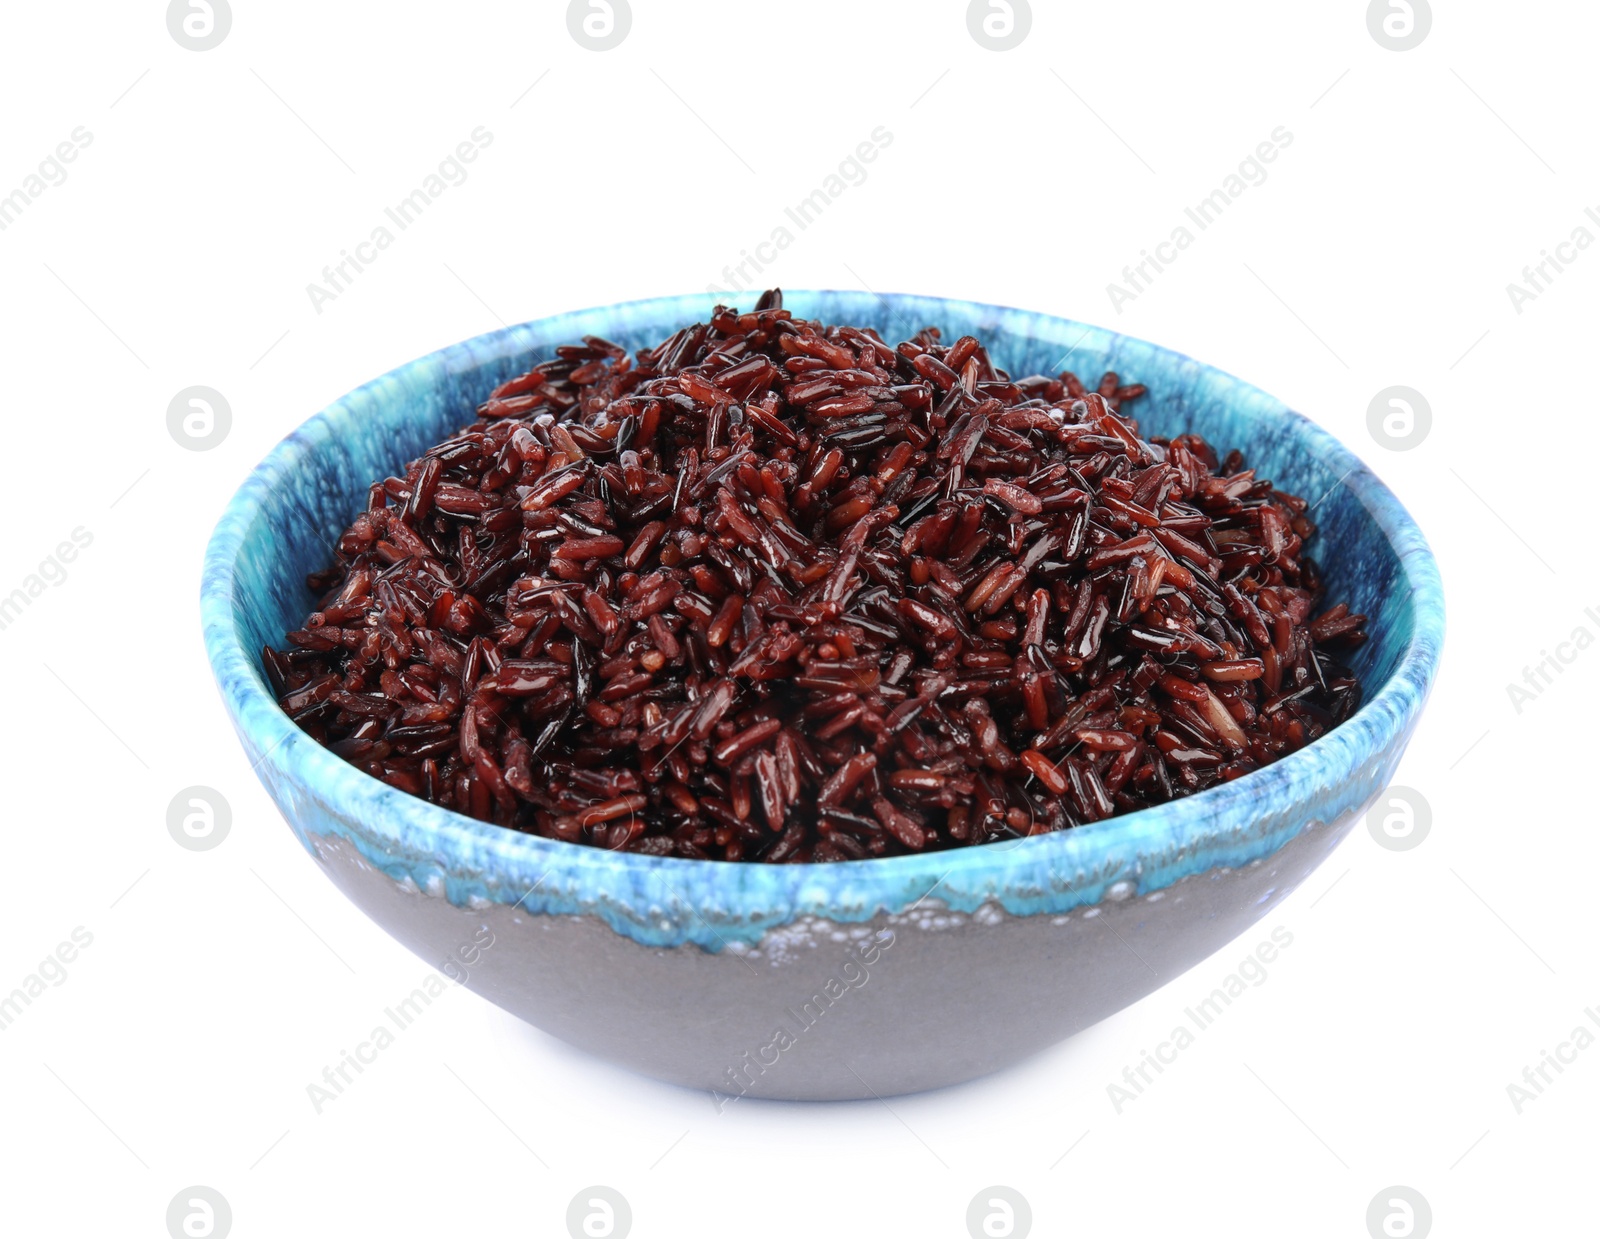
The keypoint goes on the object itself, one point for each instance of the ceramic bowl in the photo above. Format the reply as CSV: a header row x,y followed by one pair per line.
x,y
820,981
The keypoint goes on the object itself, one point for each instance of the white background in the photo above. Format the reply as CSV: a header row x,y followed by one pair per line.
x,y
218,184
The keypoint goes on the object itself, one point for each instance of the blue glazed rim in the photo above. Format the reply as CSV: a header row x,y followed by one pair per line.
x,y
661,901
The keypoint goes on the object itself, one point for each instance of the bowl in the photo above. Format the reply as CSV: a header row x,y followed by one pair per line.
x,y
820,981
